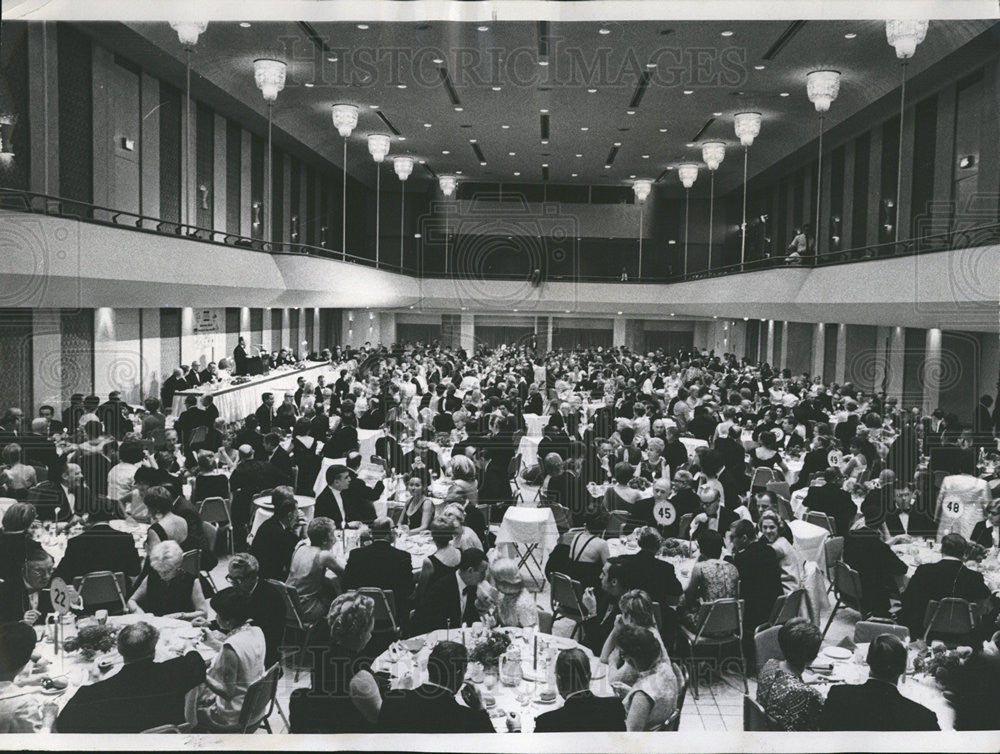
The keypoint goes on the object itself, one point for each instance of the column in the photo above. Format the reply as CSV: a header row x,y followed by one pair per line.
x,y
151,345
841,368
548,333
117,353
818,349
246,185
150,135
189,348
785,333
318,343
43,107
769,350
882,349
387,326
894,362
219,187
286,330
468,333
932,369
618,332
46,354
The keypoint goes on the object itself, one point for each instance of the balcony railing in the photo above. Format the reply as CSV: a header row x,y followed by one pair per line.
x,y
27,201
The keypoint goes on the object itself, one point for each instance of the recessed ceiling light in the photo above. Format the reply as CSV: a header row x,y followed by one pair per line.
x,y
607,167
423,162
603,31
727,33
579,155
458,109
671,242
504,126
438,61
245,24
427,125
445,151
632,176
671,314
517,172
512,154
663,130
670,167
400,86
574,175
458,172
543,62
483,164
651,65
618,143
472,141
690,144
746,319
584,128
332,59
850,35
362,26
545,141
591,91
373,107
545,164
516,309
620,313
495,88
402,138
566,311
483,28
630,112
784,94
309,85
645,157
759,67
543,110
465,308
717,115
689,91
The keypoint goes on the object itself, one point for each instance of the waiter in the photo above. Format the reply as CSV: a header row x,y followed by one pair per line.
x,y
240,357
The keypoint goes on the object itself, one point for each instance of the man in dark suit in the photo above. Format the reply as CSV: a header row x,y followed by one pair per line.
x,y
275,540
603,606
342,387
27,597
713,515
250,435
432,708
63,496
814,461
277,456
334,502
72,413
533,403
647,572
265,412
99,548
581,710
267,606
877,704
359,498
494,486
384,566
38,449
827,496
142,694
947,578
427,465
760,576
674,451
452,600
876,564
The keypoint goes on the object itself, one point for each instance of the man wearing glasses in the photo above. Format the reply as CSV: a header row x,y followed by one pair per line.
x,y
28,600
267,606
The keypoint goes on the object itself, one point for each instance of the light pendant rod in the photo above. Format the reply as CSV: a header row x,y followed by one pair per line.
x,y
711,215
378,207
188,178
402,223
343,209
640,239
743,225
687,203
899,160
269,184
819,187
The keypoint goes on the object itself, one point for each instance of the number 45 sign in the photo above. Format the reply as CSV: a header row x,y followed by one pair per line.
x,y
64,597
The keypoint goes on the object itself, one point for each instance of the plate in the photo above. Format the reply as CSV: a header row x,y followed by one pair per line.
x,y
563,642
837,653
537,699
50,692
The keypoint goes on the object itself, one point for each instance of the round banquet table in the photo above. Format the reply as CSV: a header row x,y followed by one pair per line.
x,y
921,551
55,545
263,510
534,424
177,637
682,565
407,670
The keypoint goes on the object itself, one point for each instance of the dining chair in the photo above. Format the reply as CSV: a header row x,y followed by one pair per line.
x,y
787,606
191,562
950,619
294,621
766,646
866,630
755,718
259,702
833,550
721,624
100,588
565,600
847,587
215,510
820,519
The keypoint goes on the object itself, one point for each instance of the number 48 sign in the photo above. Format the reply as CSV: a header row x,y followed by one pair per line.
x,y
951,507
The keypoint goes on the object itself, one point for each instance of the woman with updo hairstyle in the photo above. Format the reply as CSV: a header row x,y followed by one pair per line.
x,y
619,496
654,466
444,562
311,560
464,485
345,696
636,610
653,696
209,480
465,538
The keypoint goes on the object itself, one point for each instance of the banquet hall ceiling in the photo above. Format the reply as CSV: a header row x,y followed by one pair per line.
x,y
492,72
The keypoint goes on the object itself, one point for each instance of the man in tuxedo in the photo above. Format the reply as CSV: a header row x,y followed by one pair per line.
x,y
248,478
250,435
359,498
582,711
814,461
72,413
760,576
647,572
331,502
276,538
99,547
827,496
422,461
265,413
27,597
713,516
494,486
342,387
452,600
603,606
877,704
142,694
947,578
432,707
384,566
61,497
115,415
277,456
241,357
674,451
876,564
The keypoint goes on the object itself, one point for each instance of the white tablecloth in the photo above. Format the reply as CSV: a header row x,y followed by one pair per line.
x,y
809,540
528,448
525,528
236,402
692,444
534,424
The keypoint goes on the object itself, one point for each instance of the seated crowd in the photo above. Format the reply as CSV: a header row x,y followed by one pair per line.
x,y
612,463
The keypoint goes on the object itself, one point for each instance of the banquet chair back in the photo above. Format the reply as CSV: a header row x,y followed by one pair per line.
x,y
565,600
766,645
866,630
833,550
395,512
684,526
211,534
950,619
847,587
755,718
562,516
615,523
787,606
191,563
779,488
762,475
658,616
294,621
785,509
514,467
721,623
215,510
820,519
100,588
385,609
673,722
259,701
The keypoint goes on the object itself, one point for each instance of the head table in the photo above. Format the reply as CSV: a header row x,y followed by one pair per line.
x,y
408,669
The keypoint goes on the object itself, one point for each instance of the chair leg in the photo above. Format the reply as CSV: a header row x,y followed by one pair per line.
x,y
281,714
833,612
694,670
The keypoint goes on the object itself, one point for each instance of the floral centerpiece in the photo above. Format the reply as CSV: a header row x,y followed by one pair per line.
x,y
639,483
938,661
976,553
490,649
676,548
92,641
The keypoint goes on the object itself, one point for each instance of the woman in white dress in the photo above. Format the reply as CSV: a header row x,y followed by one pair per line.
x,y
515,605
792,564
652,699
239,663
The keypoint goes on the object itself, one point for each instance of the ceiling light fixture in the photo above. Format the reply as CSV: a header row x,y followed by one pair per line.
x,y
189,31
447,184
427,125
482,28
783,94
759,67
445,151
458,109
630,112
378,146
905,36
727,33
604,31
244,24
363,27
689,91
